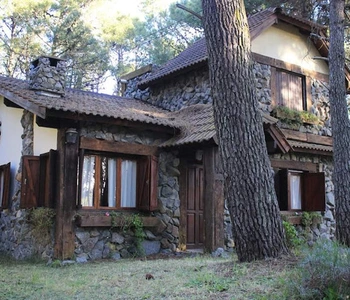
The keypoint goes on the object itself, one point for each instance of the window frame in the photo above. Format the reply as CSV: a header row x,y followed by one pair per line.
x,y
5,174
146,183
310,185
278,88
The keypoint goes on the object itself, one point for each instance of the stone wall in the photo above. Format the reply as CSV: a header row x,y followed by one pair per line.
x,y
97,243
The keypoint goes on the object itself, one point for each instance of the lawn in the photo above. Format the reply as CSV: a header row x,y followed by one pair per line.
x,y
199,277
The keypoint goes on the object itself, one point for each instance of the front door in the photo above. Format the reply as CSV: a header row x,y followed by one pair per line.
x,y
194,207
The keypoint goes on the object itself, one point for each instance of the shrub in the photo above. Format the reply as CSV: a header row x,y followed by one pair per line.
x,y
324,273
293,241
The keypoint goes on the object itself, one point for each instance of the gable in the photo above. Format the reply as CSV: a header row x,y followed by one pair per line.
x,y
286,43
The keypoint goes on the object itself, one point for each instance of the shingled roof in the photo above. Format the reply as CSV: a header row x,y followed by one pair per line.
x,y
199,125
196,54
83,102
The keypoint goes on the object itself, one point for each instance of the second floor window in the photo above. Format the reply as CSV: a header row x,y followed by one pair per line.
x,y
290,90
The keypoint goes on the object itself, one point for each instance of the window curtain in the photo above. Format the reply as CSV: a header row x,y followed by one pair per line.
x,y
112,180
128,183
295,190
88,181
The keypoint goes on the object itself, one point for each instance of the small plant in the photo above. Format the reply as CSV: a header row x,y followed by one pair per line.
x,y
210,282
292,116
324,273
293,241
42,220
127,222
307,219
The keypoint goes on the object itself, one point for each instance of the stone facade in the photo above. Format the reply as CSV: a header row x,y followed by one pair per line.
x,y
95,243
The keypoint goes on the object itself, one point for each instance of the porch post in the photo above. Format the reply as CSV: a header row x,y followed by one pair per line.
x,y
66,195
213,200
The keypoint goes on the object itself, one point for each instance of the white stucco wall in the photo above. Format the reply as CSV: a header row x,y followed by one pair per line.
x,y
44,139
10,138
284,42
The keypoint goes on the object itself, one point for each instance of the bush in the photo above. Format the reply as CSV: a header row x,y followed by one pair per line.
x,y
293,241
324,273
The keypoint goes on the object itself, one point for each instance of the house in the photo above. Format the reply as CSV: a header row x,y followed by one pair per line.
x,y
104,163
291,84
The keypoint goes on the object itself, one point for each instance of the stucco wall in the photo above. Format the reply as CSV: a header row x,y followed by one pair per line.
x,y
10,138
285,43
44,139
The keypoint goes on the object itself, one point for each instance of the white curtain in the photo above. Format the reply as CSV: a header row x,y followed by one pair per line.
x,y
2,179
112,179
88,181
128,183
295,189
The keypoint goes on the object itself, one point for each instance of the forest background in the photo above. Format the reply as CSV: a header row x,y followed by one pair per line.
x,y
104,39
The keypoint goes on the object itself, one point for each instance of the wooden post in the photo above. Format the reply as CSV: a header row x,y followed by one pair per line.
x,y
213,200
66,196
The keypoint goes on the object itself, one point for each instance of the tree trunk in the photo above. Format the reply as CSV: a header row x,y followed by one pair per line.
x,y
340,122
249,184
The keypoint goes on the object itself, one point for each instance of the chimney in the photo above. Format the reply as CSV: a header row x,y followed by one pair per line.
x,y
47,75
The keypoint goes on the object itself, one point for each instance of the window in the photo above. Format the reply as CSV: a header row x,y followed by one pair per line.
x,y
290,90
297,190
4,185
124,182
39,180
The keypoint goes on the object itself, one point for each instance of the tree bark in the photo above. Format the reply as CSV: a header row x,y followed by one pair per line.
x,y
249,184
340,122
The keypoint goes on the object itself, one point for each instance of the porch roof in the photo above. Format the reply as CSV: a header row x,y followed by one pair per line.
x,y
78,102
199,125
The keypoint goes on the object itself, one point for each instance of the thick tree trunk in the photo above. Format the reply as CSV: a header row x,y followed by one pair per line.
x,y
249,185
340,122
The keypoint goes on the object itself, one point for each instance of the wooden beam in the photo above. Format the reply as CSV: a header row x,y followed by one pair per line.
x,y
65,207
120,147
214,202
113,121
276,63
293,165
137,72
307,137
279,138
24,103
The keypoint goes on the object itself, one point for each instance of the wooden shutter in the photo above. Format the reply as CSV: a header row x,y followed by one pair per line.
x,y
30,181
313,192
281,188
147,183
48,179
5,193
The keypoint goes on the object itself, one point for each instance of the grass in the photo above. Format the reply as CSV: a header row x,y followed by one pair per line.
x,y
201,277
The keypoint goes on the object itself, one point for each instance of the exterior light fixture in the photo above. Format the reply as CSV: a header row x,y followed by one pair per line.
x,y
71,136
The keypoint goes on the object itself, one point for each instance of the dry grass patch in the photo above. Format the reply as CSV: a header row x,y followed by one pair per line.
x,y
201,277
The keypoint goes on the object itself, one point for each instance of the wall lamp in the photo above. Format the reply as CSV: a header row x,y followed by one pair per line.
x,y
71,136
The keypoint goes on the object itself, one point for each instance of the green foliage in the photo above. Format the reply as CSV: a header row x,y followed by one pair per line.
x,y
324,273
309,218
292,116
42,220
293,241
130,222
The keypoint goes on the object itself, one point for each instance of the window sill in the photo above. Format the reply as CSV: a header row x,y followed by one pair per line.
x,y
98,220
292,217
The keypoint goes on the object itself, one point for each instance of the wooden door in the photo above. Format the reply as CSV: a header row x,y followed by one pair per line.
x,y
194,207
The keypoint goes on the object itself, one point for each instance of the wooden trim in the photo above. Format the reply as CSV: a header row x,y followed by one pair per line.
x,y
293,165
308,93
117,147
312,151
109,120
91,220
279,138
266,24
24,103
279,64
137,72
307,137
